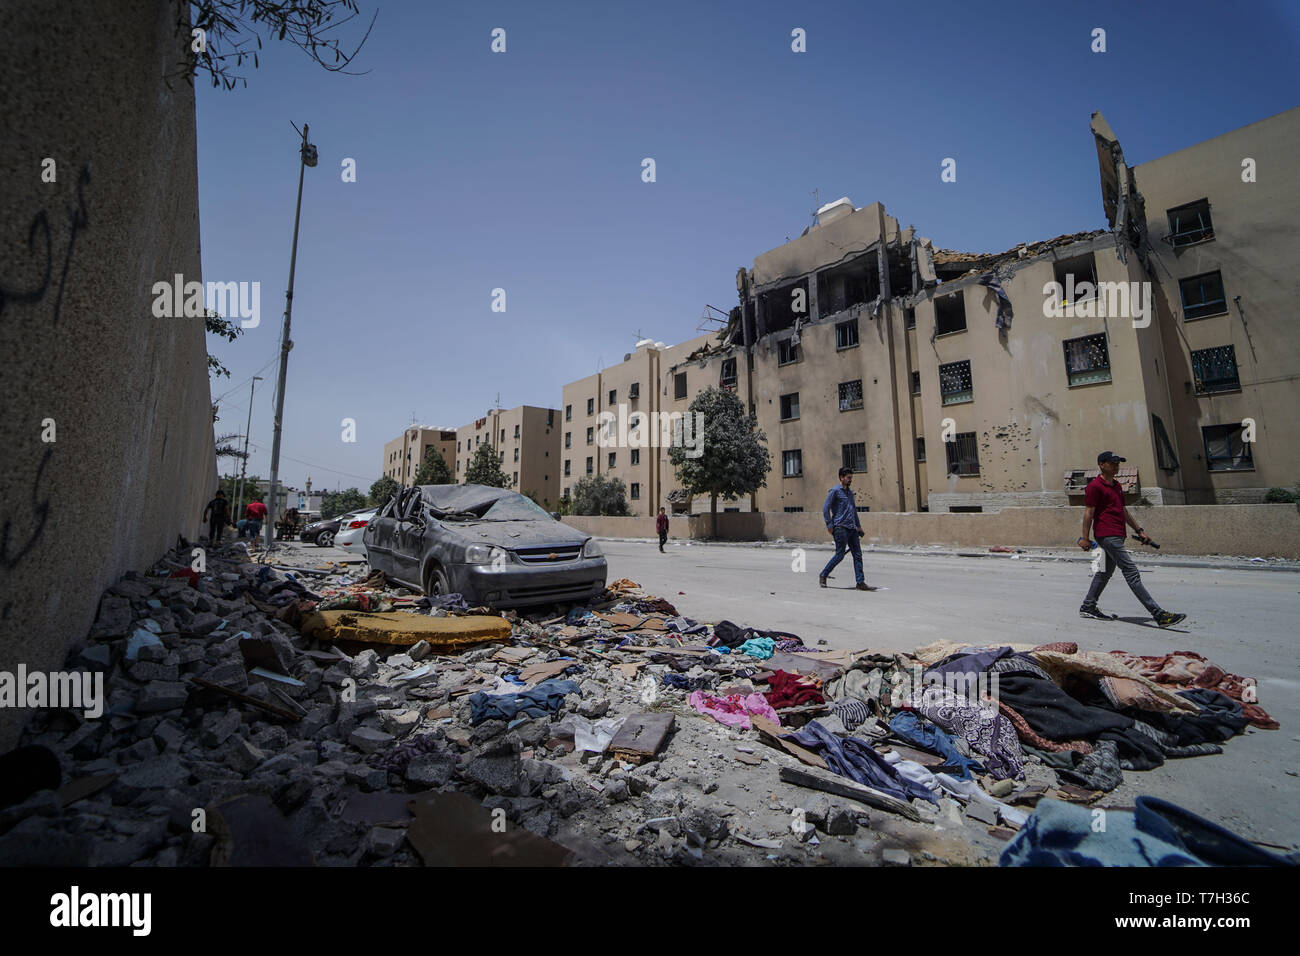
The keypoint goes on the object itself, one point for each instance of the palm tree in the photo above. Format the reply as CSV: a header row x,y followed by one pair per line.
x,y
226,447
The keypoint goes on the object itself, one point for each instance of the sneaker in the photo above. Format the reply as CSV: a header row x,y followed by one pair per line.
x,y
864,586
1168,618
821,581
1092,611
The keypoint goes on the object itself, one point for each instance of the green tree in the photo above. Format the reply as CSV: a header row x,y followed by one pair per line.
x,y
599,495
382,490
334,503
433,470
485,469
734,459
216,325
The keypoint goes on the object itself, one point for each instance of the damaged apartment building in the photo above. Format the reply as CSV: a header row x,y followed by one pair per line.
x,y
952,381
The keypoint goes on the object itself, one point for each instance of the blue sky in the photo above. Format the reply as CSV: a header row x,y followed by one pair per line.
x,y
522,171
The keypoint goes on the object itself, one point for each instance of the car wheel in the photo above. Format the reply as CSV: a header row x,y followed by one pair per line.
x,y
435,581
325,539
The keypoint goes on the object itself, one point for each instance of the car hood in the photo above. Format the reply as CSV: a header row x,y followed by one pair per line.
x,y
512,535
524,533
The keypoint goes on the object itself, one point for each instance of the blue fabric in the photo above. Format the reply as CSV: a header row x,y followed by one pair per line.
x,y
1155,833
928,736
760,647
846,539
546,698
854,758
841,508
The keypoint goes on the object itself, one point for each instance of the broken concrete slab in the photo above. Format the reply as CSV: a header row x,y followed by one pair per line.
x,y
400,628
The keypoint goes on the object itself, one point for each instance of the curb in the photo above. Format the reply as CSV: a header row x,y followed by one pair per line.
x,y
1026,554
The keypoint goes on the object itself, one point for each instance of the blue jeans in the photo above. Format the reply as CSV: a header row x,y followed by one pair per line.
x,y
1116,555
846,539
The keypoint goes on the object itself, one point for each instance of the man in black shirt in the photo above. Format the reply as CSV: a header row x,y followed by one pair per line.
x,y
217,514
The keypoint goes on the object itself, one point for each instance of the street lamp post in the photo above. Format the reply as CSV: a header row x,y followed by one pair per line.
x,y
243,467
308,155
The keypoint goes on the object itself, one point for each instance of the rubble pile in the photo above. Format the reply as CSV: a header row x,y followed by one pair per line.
x,y
260,714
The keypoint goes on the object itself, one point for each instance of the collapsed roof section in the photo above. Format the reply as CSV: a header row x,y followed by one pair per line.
x,y
1124,206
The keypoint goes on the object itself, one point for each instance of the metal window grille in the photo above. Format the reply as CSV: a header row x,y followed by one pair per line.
x,y
728,377
1087,360
846,334
850,395
854,456
955,382
963,454
1215,370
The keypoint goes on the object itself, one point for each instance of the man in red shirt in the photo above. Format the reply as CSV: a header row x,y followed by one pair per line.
x,y
256,514
1104,513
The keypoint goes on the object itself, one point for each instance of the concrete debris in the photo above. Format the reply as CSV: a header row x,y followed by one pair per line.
x,y
345,737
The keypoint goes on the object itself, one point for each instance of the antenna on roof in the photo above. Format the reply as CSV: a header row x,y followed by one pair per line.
x,y
817,204
709,322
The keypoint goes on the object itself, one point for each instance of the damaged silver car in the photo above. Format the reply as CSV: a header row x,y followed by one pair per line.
x,y
491,545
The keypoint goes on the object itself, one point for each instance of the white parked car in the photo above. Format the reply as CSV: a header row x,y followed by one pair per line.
x,y
348,536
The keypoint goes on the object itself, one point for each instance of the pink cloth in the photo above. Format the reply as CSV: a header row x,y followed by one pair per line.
x,y
732,710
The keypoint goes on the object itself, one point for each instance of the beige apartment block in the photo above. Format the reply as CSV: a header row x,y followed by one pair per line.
x,y
404,454
527,442
955,381
612,397
1217,227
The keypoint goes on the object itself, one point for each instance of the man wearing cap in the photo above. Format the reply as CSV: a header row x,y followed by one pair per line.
x,y
1105,515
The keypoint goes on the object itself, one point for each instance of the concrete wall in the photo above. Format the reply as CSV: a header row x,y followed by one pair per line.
x,y
132,462
1251,530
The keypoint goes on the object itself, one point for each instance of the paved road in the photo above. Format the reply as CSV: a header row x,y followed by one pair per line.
x,y
1244,621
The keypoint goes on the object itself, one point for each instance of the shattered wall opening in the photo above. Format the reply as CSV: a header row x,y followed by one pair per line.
x,y
779,306
900,271
949,314
843,287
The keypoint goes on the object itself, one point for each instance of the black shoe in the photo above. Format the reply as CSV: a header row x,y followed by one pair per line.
x,y
1169,618
821,581
1092,611
864,586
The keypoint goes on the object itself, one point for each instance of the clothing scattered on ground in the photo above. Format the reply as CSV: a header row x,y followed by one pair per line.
x,y
1155,833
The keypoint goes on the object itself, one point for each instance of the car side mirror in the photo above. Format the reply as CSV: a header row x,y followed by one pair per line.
x,y
555,515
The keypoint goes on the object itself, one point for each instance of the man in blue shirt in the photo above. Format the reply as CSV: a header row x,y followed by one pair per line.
x,y
841,514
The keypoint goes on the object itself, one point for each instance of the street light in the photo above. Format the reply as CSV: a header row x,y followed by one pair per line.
x,y
307,153
243,467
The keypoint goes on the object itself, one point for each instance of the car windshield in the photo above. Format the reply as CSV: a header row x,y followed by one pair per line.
x,y
511,507
516,508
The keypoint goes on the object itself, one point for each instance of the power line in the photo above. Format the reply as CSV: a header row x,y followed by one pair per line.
x,y
247,380
312,464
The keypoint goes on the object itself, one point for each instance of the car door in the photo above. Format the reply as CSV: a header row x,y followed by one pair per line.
x,y
408,543
379,536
